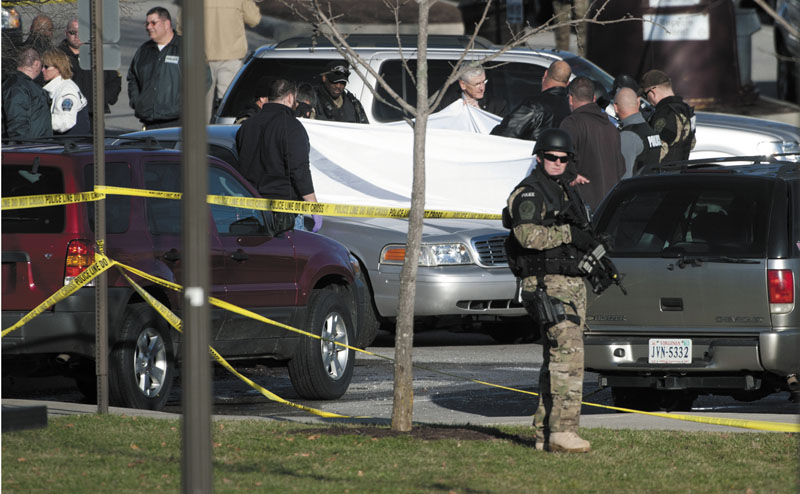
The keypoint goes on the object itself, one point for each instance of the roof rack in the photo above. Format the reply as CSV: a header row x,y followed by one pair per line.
x,y
78,143
719,162
388,41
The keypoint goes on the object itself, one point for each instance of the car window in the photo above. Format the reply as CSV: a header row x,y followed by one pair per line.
x,y
22,180
163,215
299,70
249,221
117,207
678,218
508,81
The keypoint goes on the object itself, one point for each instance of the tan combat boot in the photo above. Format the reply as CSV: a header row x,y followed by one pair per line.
x,y
567,442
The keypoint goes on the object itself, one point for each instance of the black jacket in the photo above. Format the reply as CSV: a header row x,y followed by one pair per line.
x,y
598,154
154,81
26,111
675,122
527,120
112,81
350,111
273,153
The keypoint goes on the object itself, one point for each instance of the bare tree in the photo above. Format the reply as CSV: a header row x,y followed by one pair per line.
x,y
323,19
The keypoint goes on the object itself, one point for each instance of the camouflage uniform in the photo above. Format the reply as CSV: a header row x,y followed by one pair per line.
x,y
561,376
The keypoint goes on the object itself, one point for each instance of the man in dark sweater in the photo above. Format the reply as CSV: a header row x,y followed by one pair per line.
x,y
598,157
273,149
543,111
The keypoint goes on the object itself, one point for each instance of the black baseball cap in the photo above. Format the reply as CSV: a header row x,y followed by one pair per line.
x,y
337,71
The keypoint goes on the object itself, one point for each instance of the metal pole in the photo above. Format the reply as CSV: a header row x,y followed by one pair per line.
x,y
196,376
101,282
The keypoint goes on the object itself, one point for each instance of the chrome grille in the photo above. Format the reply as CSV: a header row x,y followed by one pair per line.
x,y
491,249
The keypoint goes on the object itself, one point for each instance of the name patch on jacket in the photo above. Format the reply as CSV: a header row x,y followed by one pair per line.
x,y
172,59
654,141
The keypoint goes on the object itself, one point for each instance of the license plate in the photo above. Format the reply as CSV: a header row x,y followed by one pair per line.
x,y
670,351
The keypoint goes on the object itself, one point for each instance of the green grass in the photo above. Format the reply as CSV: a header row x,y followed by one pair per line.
x,y
118,454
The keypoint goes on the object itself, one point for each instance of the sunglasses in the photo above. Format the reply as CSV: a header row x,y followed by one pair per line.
x,y
72,33
554,158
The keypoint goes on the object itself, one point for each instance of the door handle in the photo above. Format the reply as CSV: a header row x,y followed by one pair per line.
x,y
239,256
671,304
172,255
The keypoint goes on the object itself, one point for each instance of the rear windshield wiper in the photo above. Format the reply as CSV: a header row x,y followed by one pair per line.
x,y
699,260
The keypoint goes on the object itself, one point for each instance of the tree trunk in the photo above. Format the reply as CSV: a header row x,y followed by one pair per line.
x,y
403,407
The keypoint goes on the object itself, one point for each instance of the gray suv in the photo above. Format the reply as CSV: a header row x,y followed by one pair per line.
x,y
711,258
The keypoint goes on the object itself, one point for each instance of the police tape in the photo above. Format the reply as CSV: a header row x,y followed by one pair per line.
x,y
101,264
302,207
748,424
45,200
176,323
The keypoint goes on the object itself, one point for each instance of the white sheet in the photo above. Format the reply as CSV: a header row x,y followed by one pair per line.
x,y
373,164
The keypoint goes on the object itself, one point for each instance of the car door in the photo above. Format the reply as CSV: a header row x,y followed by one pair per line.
x,y
692,253
260,269
164,227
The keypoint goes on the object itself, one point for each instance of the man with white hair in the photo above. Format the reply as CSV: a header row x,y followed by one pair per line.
x,y
641,145
473,91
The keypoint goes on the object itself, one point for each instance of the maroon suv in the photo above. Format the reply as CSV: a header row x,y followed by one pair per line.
x,y
294,277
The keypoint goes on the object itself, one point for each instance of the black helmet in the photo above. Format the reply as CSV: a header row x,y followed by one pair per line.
x,y
554,140
624,80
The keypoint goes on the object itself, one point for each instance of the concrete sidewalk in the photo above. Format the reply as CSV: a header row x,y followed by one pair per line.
x,y
591,420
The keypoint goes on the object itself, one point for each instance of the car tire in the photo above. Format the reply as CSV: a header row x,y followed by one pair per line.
x,y
319,369
142,364
652,400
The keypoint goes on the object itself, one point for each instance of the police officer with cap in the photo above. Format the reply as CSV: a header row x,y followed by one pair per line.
x,y
673,119
334,102
548,219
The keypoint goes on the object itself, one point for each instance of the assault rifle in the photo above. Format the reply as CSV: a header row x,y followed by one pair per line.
x,y
599,268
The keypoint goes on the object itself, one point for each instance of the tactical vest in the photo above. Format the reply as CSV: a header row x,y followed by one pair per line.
x,y
563,259
350,111
651,141
681,149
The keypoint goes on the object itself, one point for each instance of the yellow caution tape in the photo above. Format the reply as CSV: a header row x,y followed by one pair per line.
x,y
176,323
101,263
40,201
301,207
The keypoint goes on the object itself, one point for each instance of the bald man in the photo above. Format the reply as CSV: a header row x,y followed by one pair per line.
x,y
641,145
543,111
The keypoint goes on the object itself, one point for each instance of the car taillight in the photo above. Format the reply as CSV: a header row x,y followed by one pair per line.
x,y
781,290
80,256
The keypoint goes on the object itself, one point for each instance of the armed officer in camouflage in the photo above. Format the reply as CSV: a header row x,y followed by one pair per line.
x,y
548,241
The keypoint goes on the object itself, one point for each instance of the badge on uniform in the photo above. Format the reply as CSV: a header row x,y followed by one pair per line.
x,y
66,105
172,59
526,210
659,124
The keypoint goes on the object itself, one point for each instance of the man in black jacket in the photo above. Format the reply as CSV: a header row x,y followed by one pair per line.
x,y
112,81
673,119
543,111
334,102
598,156
273,149
154,77
26,111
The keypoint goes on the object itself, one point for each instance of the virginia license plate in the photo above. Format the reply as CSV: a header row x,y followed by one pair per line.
x,y
670,351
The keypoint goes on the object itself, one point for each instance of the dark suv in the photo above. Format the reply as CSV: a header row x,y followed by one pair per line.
x,y
711,257
294,277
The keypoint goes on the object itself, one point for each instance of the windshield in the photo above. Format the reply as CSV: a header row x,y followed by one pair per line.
x,y
582,67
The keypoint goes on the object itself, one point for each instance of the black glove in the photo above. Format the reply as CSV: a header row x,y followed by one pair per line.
x,y
582,239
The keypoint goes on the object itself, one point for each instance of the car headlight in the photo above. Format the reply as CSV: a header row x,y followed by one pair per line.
x,y
447,254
